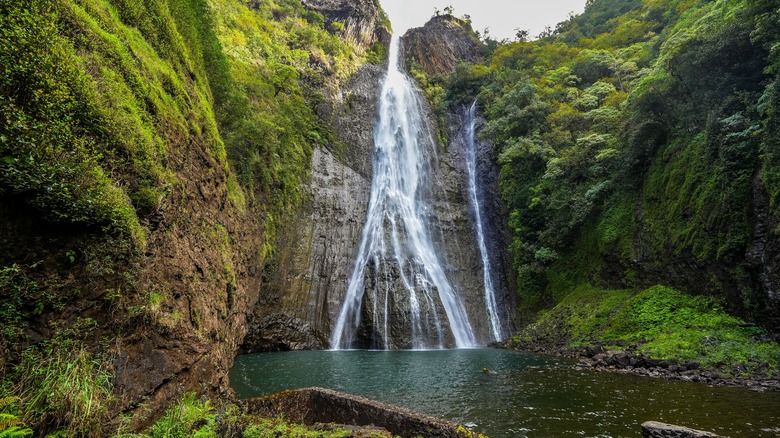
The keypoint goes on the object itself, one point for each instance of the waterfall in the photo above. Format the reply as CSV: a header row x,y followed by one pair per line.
x,y
398,281
471,164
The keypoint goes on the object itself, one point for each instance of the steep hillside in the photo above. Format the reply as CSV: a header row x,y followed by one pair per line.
x,y
637,147
149,150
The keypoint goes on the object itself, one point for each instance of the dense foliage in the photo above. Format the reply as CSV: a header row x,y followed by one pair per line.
x,y
104,106
98,95
661,323
636,143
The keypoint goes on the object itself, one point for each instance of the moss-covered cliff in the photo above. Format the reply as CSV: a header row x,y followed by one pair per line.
x,y
636,144
149,150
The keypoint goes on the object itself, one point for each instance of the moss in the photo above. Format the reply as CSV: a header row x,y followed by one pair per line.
x,y
662,322
191,416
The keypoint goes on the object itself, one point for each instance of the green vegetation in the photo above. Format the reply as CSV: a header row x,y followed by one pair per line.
x,y
634,142
11,426
192,417
99,97
662,322
114,113
62,385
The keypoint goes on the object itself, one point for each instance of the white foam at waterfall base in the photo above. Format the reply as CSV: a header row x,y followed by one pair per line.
x,y
396,243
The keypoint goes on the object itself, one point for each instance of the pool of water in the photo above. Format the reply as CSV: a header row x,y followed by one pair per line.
x,y
524,395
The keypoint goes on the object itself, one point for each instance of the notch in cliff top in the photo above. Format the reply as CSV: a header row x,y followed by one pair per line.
x,y
438,46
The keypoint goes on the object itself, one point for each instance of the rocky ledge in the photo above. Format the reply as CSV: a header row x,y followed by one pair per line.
x,y
316,406
654,429
630,361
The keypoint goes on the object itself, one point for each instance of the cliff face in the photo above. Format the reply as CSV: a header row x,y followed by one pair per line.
x,y
306,279
154,156
309,275
441,43
364,22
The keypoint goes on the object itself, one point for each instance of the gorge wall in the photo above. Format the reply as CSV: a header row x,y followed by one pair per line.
x,y
307,280
153,149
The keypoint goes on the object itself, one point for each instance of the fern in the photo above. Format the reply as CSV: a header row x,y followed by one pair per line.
x,y
15,432
11,426
6,403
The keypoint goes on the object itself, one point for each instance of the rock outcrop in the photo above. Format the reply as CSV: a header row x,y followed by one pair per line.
x,y
364,23
461,249
310,272
441,43
318,405
654,429
309,276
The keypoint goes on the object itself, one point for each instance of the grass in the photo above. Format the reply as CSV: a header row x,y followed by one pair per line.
x,y
64,388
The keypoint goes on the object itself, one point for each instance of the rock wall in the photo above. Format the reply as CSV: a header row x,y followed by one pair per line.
x,y
468,268
170,318
308,278
364,22
441,43
310,271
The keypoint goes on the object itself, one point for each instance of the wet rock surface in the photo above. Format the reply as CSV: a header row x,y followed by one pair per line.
x,y
280,332
309,276
630,361
318,405
306,280
654,429
469,268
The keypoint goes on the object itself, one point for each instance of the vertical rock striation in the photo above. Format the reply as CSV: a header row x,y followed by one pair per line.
x,y
306,282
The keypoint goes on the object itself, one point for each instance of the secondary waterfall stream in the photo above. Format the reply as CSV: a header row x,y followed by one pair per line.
x,y
398,288
471,164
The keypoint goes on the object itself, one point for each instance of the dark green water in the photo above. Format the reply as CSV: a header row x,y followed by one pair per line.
x,y
528,396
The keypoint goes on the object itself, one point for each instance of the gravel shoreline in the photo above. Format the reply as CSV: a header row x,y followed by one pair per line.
x,y
629,361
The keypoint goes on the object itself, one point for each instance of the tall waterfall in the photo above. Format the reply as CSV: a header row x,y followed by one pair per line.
x,y
471,164
398,284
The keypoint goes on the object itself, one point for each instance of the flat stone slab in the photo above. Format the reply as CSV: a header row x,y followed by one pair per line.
x,y
654,429
319,405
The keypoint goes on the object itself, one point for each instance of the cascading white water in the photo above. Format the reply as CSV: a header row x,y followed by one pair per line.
x,y
471,164
396,254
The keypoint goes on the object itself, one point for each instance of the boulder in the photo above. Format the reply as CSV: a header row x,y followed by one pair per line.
x,y
654,429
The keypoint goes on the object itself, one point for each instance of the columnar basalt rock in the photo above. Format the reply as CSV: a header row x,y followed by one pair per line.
x,y
306,279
